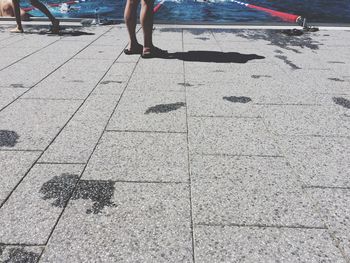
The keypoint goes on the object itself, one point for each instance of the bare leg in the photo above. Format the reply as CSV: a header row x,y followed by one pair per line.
x,y
17,11
147,23
130,16
43,8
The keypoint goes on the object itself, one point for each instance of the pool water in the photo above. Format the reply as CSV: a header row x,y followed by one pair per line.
x,y
217,11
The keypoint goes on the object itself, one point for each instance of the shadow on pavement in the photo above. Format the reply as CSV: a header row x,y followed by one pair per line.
x,y
210,56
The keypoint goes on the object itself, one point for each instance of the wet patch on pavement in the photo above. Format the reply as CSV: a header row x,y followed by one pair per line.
x,y
17,86
77,81
110,81
336,79
164,108
238,99
293,32
342,102
18,255
260,76
202,38
279,39
185,84
59,188
288,62
336,62
100,192
62,189
8,138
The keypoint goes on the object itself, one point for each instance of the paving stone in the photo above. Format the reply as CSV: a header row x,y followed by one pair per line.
x,y
208,100
252,244
71,87
112,85
34,123
13,166
128,58
11,54
24,74
28,254
77,140
29,214
159,65
122,70
322,81
140,157
306,120
154,111
334,208
235,136
237,70
78,66
37,42
7,95
249,191
319,161
147,223
100,52
10,40
156,82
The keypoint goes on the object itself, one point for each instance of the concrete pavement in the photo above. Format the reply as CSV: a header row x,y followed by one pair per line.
x,y
233,148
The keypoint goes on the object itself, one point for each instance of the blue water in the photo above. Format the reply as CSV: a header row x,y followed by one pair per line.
x,y
222,11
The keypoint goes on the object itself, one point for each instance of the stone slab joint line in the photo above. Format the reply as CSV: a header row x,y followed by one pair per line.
x,y
188,156
55,70
315,206
5,200
84,168
36,51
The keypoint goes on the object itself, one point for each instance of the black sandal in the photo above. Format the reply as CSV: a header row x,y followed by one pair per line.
x,y
131,52
154,52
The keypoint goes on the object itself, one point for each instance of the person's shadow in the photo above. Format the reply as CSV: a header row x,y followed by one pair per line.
x,y
209,56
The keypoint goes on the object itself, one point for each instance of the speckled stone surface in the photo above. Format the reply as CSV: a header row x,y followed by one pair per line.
x,y
149,223
32,210
133,156
13,166
233,147
134,112
306,120
7,95
235,136
77,141
28,254
319,161
334,209
253,244
249,191
36,121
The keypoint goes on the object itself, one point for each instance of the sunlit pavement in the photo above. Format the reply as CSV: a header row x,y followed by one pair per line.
x,y
233,147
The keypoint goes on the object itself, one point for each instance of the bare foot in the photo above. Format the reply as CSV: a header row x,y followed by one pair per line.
x,y
17,30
